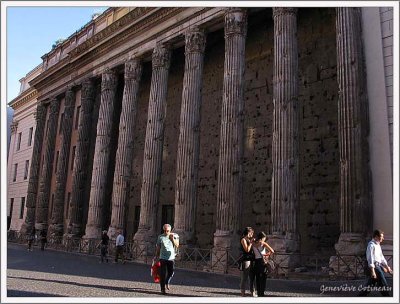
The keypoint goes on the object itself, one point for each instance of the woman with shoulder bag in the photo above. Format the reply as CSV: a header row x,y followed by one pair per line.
x,y
246,261
260,249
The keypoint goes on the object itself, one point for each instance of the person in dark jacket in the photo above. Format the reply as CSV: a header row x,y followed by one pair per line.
x,y
43,238
246,262
104,246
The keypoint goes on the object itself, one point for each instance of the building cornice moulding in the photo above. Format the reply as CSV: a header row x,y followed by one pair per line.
x,y
24,98
67,72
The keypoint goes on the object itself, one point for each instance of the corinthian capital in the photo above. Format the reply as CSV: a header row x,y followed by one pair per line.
x,y
40,113
109,80
87,88
279,11
161,56
235,21
195,40
54,106
133,69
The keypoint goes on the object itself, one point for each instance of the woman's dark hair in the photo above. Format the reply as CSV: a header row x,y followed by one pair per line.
x,y
261,235
377,232
246,231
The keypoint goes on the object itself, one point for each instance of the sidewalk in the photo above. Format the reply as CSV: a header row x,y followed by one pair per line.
x,y
55,273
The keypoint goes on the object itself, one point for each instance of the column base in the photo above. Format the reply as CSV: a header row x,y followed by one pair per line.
x,y
41,226
75,230
145,241
187,241
27,228
349,248
286,249
88,245
387,246
56,232
225,251
92,232
186,238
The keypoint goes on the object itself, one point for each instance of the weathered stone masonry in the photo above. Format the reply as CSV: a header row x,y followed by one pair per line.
x,y
252,137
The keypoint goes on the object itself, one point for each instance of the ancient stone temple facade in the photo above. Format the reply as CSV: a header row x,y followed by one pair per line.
x,y
214,119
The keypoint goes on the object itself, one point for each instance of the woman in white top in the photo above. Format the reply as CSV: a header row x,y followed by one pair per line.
x,y
260,249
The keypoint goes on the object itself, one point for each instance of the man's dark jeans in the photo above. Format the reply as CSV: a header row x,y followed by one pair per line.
x,y
166,272
380,282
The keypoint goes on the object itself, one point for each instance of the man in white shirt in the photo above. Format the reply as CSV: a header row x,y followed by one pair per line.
x,y
377,265
119,247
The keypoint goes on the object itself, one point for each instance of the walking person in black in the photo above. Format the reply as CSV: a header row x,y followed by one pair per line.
x,y
31,239
43,239
260,248
247,261
104,246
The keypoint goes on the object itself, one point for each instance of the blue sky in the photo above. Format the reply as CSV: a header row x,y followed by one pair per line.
x,y
31,31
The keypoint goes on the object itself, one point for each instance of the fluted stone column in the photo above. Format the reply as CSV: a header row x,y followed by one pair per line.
x,y
57,219
42,208
229,204
285,141
189,137
102,150
33,183
80,168
153,148
355,201
123,164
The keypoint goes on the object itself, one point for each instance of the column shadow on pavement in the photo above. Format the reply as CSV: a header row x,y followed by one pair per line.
x,y
124,289
57,262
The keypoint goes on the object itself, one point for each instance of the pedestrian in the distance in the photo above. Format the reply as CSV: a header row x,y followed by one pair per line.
x,y
104,246
119,247
377,266
167,243
31,239
43,239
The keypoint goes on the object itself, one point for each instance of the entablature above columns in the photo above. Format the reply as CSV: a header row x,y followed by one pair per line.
x,y
135,38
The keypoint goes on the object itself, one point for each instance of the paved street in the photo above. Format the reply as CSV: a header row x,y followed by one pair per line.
x,y
59,274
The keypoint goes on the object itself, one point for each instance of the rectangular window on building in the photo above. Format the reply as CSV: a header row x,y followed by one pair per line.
x,y
19,141
73,157
26,169
136,219
21,211
56,163
68,205
78,113
11,207
9,216
61,123
15,172
167,215
30,136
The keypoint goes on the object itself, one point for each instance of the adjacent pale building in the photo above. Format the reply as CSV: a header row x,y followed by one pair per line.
x,y
20,151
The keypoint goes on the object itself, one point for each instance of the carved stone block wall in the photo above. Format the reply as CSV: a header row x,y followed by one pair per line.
x,y
319,158
319,152
210,127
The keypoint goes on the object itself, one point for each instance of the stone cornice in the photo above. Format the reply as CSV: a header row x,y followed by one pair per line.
x,y
94,41
68,69
25,97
